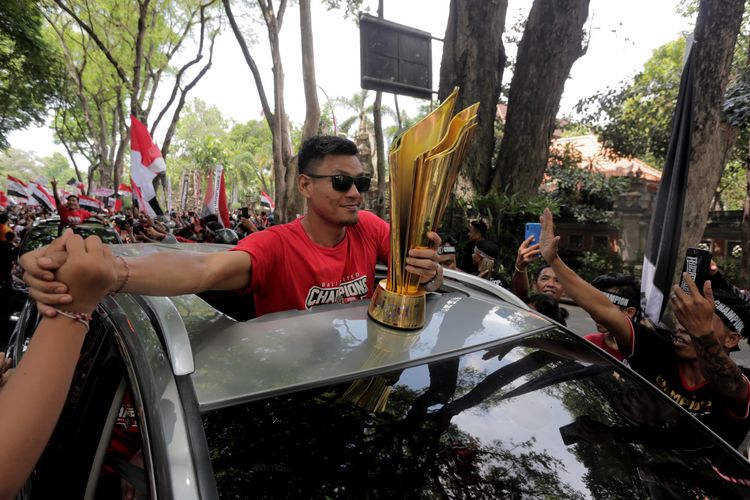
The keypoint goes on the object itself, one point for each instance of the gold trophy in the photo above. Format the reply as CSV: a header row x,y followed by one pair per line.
x,y
424,165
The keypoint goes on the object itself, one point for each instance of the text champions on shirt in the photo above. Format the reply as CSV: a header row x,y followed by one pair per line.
x,y
348,291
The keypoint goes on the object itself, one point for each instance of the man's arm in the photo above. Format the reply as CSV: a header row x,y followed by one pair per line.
x,y
584,294
162,274
695,313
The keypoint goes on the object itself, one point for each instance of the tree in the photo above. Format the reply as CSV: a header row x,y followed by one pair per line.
x,y
288,201
711,139
29,73
474,59
552,41
634,119
116,56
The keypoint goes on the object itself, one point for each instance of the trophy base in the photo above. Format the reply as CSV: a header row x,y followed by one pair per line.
x,y
392,309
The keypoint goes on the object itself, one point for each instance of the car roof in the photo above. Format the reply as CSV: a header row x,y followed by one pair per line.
x,y
233,362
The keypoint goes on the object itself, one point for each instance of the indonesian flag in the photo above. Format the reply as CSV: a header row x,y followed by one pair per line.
x,y
42,197
90,204
3,199
266,200
143,206
216,197
147,164
17,188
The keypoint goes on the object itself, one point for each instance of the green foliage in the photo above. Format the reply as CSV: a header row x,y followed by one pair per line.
x,y
29,73
592,264
635,118
584,194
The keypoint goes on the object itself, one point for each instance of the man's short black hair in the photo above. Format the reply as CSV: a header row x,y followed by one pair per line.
x,y
313,150
488,248
73,196
480,226
624,285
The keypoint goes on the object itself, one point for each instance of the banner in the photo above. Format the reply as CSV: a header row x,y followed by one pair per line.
x,y
216,198
184,191
147,164
660,259
18,188
196,189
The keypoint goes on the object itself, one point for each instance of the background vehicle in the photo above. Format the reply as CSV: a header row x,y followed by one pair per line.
x,y
488,400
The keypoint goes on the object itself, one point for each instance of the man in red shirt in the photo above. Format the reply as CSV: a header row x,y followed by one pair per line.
x,y
327,256
70,213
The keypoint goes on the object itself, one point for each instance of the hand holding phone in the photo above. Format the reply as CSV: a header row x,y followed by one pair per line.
x,y
533,229
697,264
245,212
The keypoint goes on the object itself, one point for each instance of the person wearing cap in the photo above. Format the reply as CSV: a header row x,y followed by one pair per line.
x,y
692,364
624,291
327,256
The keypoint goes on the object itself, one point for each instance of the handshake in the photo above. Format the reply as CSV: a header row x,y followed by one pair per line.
x,y
70,275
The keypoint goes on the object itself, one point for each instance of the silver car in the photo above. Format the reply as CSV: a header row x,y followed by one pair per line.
x,y
189,397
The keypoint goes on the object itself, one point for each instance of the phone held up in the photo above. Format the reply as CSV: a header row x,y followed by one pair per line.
x,y
533,229
697,263
245,213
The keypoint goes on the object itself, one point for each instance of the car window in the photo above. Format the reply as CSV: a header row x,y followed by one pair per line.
x,y
545,417
97,440
43,234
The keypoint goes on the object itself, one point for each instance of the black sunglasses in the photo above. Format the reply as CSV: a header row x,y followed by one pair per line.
x,y
343,183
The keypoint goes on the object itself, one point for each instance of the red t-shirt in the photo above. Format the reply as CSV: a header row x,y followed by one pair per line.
x,y
598,339
73,216
290,271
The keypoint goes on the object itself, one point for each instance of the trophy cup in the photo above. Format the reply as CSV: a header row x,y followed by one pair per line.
x,y
424,165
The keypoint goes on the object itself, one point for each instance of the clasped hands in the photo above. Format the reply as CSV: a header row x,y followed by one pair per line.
x,y
70,274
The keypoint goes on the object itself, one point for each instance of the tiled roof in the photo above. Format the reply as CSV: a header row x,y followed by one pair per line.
x,y
595,156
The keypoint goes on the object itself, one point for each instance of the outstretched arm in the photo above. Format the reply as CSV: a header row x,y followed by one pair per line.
x,y
584,294
34,394
161,274
695,312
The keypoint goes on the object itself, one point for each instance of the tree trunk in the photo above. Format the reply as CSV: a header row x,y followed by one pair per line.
x,y
711,140
745,228
474,59
552,41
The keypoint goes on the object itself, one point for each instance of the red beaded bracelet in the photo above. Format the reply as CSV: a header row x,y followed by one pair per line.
x,y
82,318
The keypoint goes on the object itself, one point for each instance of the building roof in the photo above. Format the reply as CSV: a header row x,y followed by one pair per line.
x,y
595,156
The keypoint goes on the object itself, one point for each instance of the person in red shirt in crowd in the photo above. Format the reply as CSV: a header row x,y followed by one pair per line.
x,y
71,213
327,256
623,291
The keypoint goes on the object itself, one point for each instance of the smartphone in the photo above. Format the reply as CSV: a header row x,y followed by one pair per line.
x,y
245,213
697,264
486,265
533,229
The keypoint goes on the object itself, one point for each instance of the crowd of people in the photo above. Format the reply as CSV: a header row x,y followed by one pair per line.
x,y
336,245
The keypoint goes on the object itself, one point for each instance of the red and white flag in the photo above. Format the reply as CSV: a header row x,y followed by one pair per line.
x,y
42,196
73,182
18,188
90,204
215,201
146,164
267,201
143,206
3,199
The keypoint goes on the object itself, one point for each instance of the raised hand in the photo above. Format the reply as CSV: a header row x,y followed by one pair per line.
x,y
527,253
549,242
693,310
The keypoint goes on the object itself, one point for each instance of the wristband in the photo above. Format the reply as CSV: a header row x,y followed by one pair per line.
x,y
82,318
519,270
127,275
